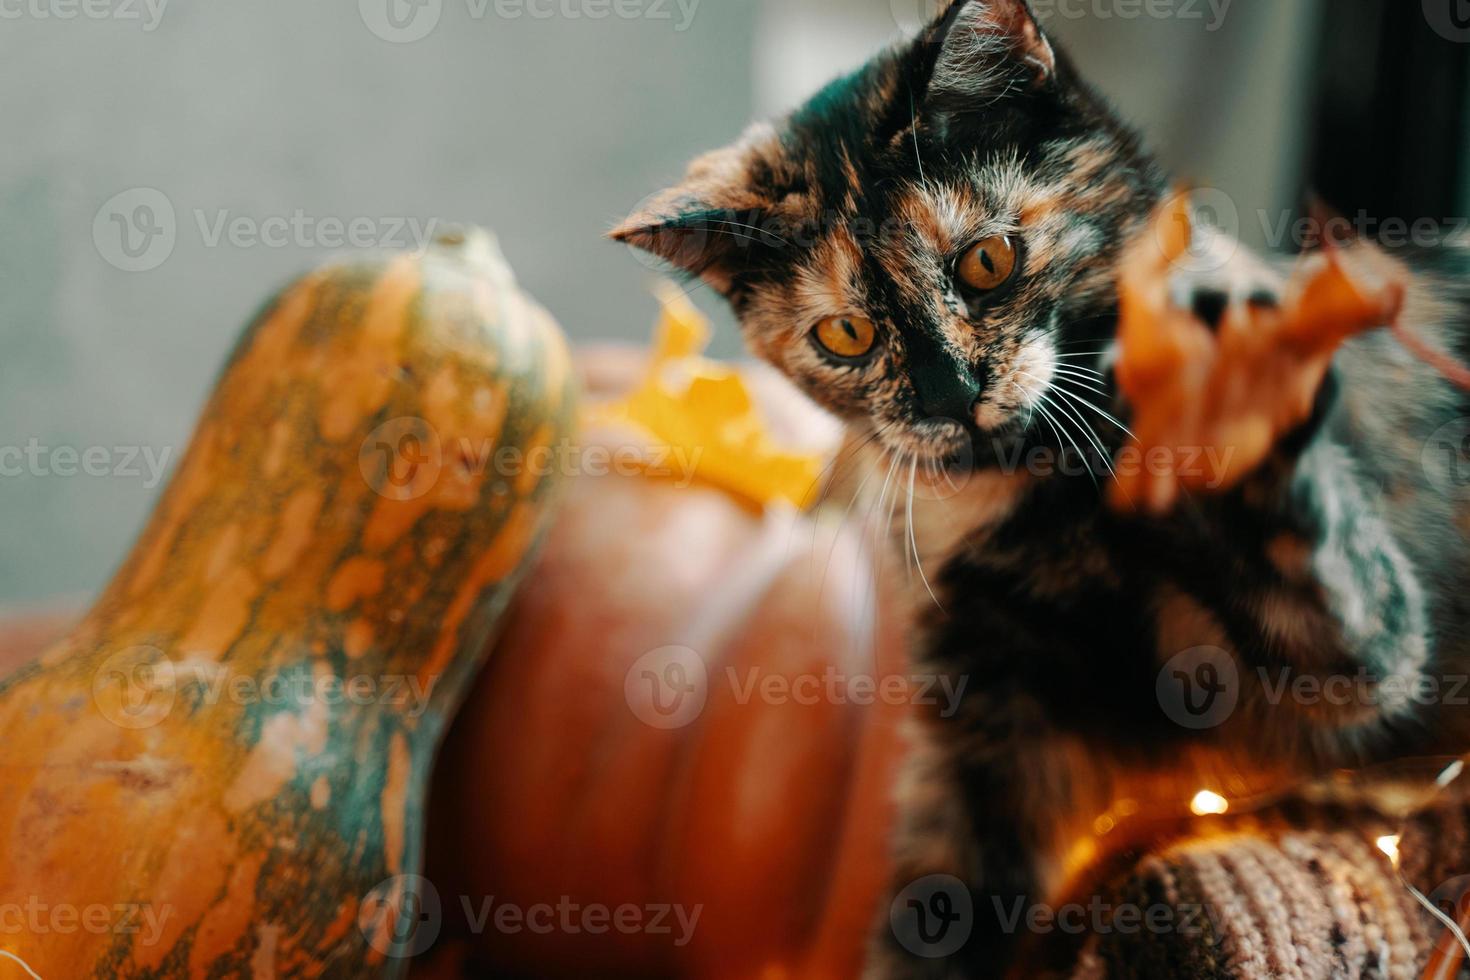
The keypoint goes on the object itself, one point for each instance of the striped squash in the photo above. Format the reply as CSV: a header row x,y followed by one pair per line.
x,y
222,770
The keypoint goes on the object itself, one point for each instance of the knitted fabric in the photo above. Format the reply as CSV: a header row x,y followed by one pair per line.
x,y
1317,903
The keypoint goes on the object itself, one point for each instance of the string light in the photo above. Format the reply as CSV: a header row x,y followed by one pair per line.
x,y
1208,803
1389,845
7,955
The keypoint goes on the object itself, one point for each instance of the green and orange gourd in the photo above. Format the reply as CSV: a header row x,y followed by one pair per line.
x,y
235,742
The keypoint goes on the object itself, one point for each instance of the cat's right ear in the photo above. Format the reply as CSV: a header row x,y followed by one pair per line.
x,y
984,49
712,225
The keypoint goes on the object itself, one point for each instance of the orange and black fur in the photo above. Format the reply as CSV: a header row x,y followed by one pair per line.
x,y
929,249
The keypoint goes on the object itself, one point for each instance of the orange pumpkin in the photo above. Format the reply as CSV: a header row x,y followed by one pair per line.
x,y
221,771
655,736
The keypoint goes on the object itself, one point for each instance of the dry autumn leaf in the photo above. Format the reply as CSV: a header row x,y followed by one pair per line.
x,y
1233,392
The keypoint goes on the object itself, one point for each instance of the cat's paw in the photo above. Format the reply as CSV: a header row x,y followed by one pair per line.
x,y
1218,359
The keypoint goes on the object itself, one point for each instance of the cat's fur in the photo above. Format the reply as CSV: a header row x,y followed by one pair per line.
x,y
1337,558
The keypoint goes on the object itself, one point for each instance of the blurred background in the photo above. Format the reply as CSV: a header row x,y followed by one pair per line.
x,y
171,163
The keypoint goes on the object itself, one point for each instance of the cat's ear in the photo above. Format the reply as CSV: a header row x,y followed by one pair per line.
x,y
985,48
713,224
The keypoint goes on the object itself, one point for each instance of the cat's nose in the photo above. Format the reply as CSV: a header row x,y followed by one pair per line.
x,y
956,400
945,385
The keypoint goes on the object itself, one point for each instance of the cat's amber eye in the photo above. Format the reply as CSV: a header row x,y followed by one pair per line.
x,y
989,264
846,336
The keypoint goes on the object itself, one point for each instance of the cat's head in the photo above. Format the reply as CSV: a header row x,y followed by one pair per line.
x,y
927,246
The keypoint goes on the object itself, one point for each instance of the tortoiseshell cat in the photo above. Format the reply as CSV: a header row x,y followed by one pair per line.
x,y
928,248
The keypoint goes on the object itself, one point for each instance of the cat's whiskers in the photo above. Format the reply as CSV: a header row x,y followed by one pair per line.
x,y
1087,430
1037,406
914,116
1078,399
1064,438
851,454
759,231
838,531
1084,382
1081,370
913,537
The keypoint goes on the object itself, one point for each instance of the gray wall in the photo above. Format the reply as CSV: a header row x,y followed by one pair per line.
x,y
546,129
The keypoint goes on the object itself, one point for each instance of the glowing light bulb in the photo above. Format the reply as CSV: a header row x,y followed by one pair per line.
x,y
1390,845
1207,802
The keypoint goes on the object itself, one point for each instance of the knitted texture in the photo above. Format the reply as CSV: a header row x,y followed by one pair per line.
x,y
1292,903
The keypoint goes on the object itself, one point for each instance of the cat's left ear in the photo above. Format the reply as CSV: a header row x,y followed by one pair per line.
x,y
987,47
